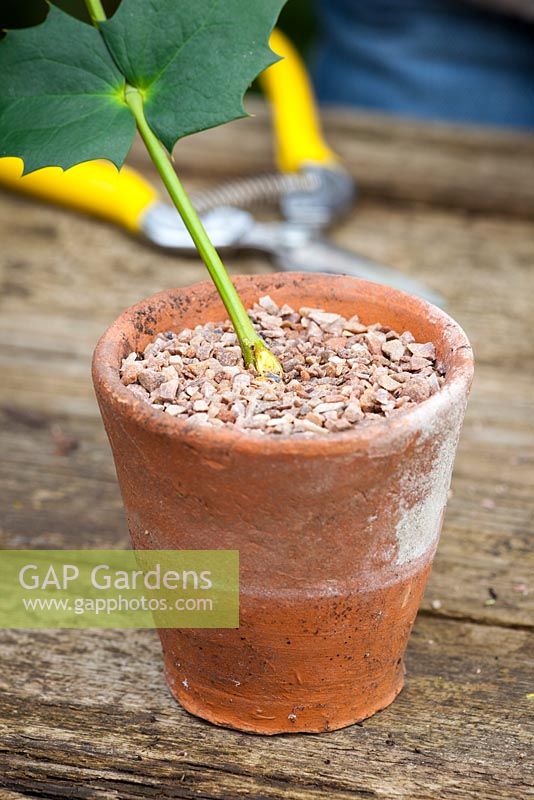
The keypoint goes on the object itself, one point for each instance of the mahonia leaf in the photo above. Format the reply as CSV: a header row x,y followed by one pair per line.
x,y
63,102
62,96
192,59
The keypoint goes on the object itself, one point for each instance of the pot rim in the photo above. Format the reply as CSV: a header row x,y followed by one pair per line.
x,y
458,379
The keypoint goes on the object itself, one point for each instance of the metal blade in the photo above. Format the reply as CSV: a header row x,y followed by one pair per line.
x,y
225,226
294,247
318,255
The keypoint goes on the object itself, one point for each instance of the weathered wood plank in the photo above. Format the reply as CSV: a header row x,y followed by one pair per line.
x,y
86,714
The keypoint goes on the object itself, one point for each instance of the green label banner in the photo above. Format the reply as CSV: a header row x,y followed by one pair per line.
x,y
119,589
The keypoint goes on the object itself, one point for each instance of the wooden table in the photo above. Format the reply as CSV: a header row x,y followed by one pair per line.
x,y
86,714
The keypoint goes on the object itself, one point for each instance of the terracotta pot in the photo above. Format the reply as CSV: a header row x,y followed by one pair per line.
x,y
336,534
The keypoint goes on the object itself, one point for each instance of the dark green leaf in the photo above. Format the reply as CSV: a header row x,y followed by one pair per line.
x,y
193,59
63,102
61,96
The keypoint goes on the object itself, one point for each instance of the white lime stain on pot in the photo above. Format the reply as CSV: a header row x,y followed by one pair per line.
x,y
419,524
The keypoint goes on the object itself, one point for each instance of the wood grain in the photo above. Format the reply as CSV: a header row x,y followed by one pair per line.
x,y
86,714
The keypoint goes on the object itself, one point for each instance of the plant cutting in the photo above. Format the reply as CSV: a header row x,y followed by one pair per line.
x,y
330,479
78,93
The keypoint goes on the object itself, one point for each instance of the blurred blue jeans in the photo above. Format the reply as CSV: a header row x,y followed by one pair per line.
x,y
433,59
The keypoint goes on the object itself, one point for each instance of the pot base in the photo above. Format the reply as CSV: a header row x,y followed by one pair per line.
x,y
247,718
301,663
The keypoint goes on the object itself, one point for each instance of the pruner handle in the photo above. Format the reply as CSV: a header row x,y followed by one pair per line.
x,y
299,140
94,187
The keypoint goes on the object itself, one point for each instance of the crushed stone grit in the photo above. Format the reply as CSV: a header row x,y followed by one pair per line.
x,y
338,373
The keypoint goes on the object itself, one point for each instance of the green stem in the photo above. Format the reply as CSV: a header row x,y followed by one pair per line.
x,y
96,11
254,349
